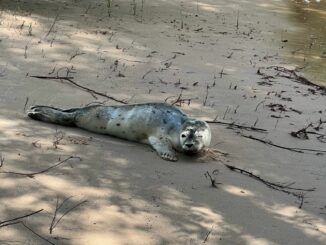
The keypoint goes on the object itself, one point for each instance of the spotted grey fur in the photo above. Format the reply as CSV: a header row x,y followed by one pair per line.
x,y
160,125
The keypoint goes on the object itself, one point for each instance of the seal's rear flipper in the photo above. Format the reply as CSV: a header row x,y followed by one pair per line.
x,y
53,115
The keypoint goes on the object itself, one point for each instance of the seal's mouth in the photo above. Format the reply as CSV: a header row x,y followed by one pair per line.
x,y
191,150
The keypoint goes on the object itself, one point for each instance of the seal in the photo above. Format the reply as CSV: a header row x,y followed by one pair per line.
x,y
164,127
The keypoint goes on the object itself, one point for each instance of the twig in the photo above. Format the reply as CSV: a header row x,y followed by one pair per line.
x,y
213,181
206,95
109,7
261,102
295,110
295,149
65,213
4,223
142,10
76,54
69,71
25,51
222,73
43,238
26,103
176,52
322,138
91,91
207,235
256,122
238,126
54,21
301,133
11,223
230,55
3,71
236,109
292,74
173,57
2,160
53,77
226,111
301,197
134,7
136,61
57,207
237,25
58,136
54,216
269,184
143,77
178,99
32,175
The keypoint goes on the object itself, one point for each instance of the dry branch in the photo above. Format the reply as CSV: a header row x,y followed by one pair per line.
x,y
295,149
294,76
17,219
76,54
58,136
35,233
207,235
32,175
53,23
234,125
274,186
57,207
206,95
2,160
55,221
301,133
213,181
26,102
143,77
172,58
91,91
53,77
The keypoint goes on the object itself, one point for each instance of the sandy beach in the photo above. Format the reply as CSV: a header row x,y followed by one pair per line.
x,y
223,61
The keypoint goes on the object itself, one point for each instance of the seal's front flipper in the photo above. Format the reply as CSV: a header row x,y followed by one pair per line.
x,y
163,147
52,115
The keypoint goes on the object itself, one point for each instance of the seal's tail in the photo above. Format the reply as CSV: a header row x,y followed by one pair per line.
x,y
53,115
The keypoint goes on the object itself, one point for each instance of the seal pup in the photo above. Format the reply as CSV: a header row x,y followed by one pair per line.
x,y
160,125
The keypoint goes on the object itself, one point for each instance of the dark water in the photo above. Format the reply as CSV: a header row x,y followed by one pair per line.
x,y
308,43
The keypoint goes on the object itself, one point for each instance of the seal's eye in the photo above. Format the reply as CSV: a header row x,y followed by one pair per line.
x,y
183,135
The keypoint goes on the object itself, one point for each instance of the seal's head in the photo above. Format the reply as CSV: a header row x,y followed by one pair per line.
x,y
195,136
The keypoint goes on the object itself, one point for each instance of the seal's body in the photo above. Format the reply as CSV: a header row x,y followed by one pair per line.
x,y
162,126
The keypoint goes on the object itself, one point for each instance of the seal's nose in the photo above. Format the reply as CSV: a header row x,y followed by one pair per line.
x,y
189,145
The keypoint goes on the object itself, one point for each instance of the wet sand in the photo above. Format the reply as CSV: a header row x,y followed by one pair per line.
x,y
307,43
